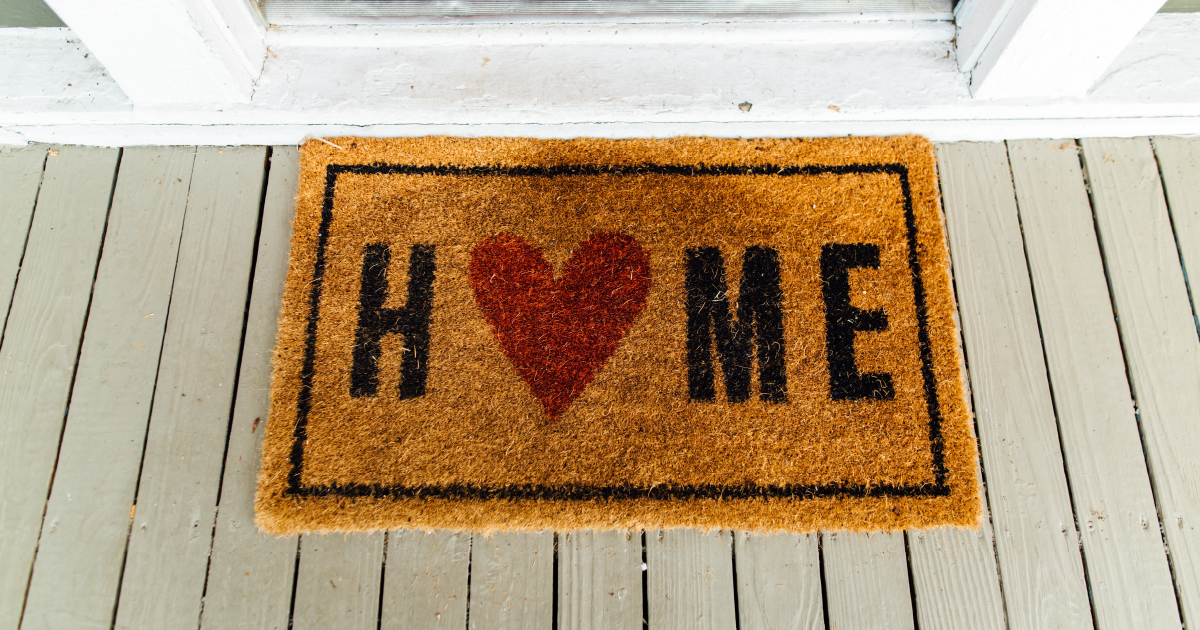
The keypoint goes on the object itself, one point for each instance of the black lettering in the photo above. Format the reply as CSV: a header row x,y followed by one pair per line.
x,y
375,321
842,321
759,324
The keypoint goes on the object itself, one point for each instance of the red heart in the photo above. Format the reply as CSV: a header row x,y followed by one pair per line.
x,y
559,333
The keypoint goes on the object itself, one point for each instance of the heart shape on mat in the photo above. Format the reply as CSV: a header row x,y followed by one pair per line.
x,y
558,333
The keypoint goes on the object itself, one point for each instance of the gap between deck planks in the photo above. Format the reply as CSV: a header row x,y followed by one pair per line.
x,y
167,557
40,347
82,548
954,577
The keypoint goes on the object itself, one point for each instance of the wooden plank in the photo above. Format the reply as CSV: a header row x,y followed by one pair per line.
x,y
1158,332
1179,165
1036,542
37,355
20,178
866,581
337,587
778,582
177,494
425,581
955,582
690,580
82,547
600,580
1114,505
250,575
512,581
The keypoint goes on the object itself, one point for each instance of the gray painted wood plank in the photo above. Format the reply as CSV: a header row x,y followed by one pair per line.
x,y
690,580
20,178
1162,351
512,581
37,356
177,494
600,580
1114,505
1036,542
425,580
866,581
955,581
1179,165
337,587
778,582
250,575
82,547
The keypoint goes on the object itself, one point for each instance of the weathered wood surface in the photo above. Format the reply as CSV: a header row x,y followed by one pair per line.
x,y
177,493
1179,164
20,177
600,580
82,547
38,352
512,581
1114,505
425,582
690,575
778,582
1036,542
337,586
690,580
1158,332
866,581
955,583
250,574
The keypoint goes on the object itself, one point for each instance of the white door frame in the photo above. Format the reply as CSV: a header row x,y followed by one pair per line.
x,y
1044,48
189,54
208,53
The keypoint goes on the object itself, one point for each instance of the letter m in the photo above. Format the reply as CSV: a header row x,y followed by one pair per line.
x,y
758,328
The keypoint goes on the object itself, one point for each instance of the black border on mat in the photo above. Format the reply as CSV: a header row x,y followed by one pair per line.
x,y
583,493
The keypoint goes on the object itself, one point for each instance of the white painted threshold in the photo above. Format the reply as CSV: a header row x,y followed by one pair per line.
x,y
730,78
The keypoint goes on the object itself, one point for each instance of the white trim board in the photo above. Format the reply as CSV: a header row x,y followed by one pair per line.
x,y
616,80
371,11
173,53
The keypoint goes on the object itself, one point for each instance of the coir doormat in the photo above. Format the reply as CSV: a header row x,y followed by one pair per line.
x,y
526,334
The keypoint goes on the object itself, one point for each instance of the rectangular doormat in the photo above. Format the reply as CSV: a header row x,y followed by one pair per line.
x,y
512,334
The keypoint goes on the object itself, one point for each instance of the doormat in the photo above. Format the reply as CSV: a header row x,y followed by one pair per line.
x,y
512,334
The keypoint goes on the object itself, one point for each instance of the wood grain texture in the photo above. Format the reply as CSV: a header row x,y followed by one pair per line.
x,y
1162,351
955,582
1179,165
337,586
690,580
1114,505
778,582
20,178
425,581
177,494
1036,542
866,581
82,547
600,580
37,356
250,574
512,581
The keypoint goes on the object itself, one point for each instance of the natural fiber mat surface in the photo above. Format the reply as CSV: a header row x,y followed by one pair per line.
x,y
526,334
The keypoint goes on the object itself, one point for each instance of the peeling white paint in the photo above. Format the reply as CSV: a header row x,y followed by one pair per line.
x,y
621,80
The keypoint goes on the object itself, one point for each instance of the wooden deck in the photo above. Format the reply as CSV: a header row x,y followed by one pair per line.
x,y
142,285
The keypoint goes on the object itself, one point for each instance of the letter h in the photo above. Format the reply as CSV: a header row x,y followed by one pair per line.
x,y
375,321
